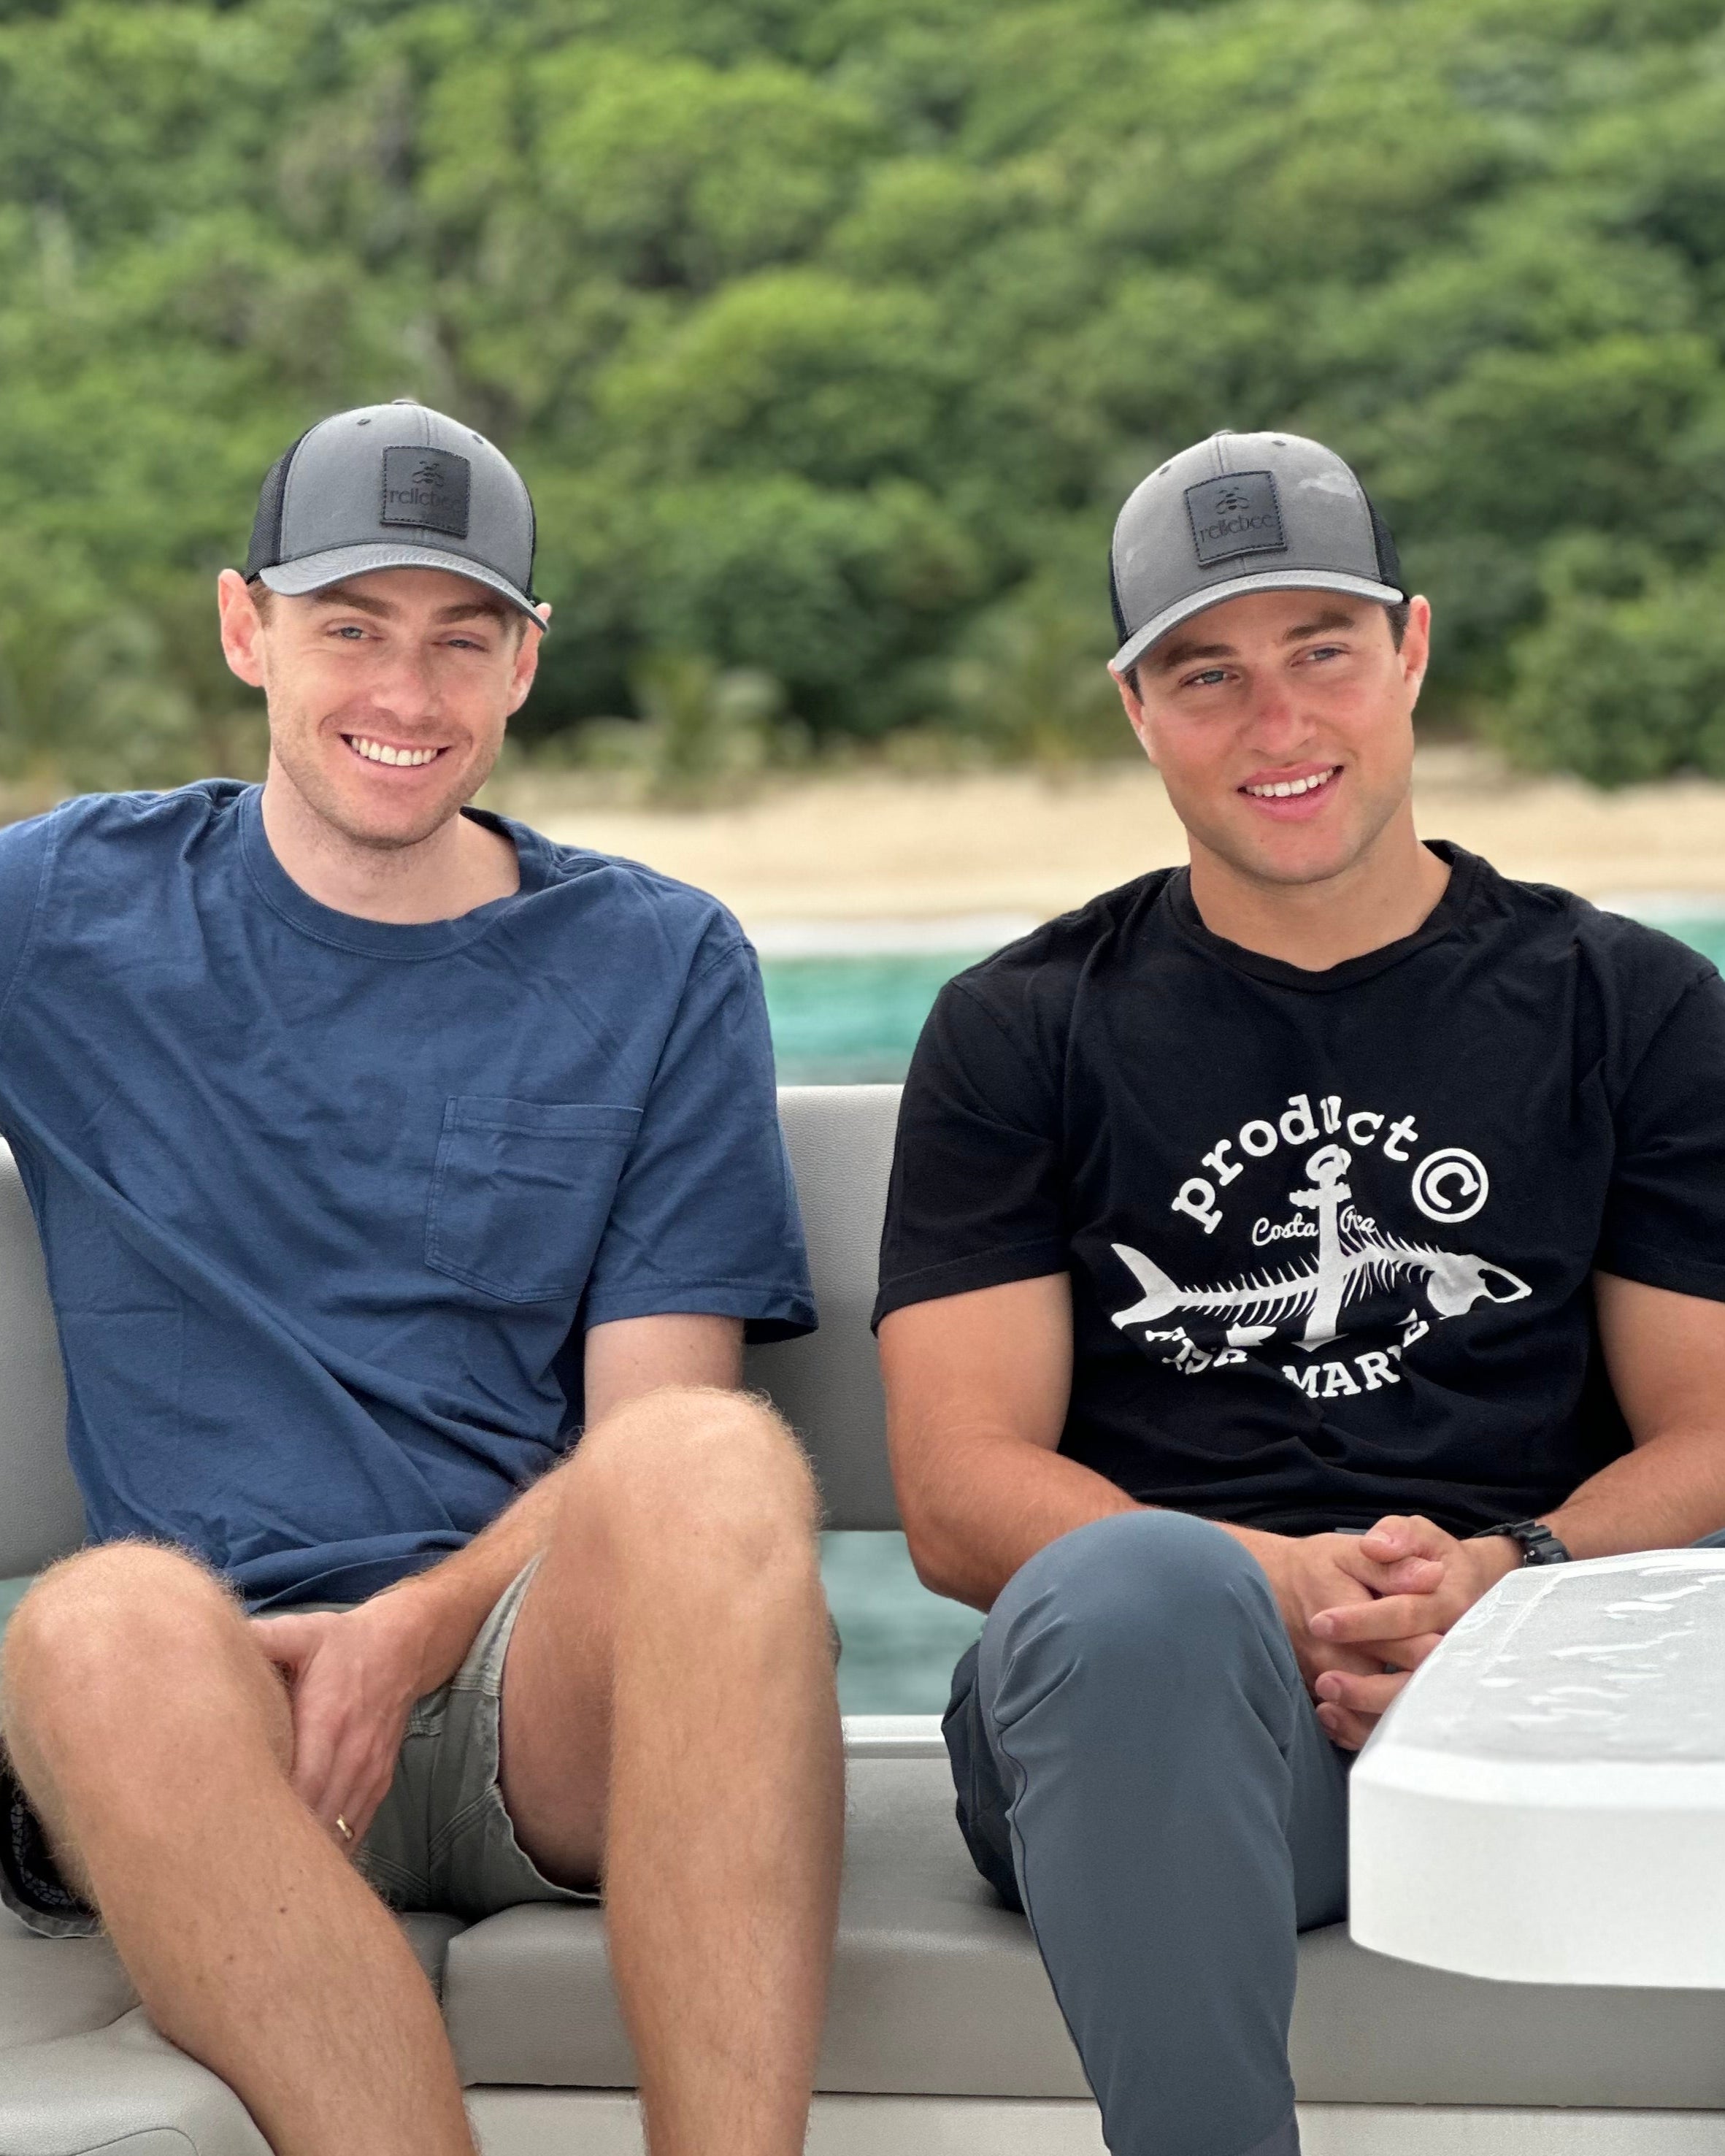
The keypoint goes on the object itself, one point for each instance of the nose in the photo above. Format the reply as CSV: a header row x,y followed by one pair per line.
x,y
404,685
1277,725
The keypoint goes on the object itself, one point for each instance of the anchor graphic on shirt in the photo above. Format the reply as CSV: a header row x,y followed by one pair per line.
x,y
1350,1264
1326,1169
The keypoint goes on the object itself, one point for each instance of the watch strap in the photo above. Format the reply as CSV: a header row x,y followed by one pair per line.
x,y
1537,1544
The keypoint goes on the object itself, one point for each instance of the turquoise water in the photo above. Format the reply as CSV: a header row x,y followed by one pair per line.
x,y
840,1020
855,1020
899,1641
1707,935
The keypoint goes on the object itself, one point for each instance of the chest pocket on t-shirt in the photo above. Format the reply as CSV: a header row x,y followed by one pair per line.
x,y
521,1192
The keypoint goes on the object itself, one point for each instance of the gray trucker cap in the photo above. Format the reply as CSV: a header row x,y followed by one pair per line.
x,y
1243,513
393,486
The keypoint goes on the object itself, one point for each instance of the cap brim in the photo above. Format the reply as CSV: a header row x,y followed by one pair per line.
x,y
317,573
1264,580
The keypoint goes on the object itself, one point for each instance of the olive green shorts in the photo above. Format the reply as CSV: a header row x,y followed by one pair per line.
x,y
443,1838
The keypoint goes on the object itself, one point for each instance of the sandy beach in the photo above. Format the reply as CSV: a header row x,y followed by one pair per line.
x,y
868,847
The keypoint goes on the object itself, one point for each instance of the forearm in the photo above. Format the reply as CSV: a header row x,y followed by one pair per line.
x,y
989,1504
1667,1493
623,1360
449,1603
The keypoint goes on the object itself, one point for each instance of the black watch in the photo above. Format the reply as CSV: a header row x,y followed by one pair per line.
x,y
1539,1544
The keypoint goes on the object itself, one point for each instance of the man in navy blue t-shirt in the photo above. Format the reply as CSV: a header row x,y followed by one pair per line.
x,y
377,1145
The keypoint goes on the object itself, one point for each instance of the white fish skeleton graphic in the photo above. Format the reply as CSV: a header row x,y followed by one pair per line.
x,y
1348,1265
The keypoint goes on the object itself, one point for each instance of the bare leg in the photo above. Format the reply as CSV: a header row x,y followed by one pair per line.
x,y
670,1717
153,1739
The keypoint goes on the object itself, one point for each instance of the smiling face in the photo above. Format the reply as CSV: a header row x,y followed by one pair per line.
x,y
1282,726
388,695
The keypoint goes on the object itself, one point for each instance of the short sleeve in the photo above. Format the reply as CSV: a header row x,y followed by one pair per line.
x,y
976,1193
705,1219
25,850
1665,1213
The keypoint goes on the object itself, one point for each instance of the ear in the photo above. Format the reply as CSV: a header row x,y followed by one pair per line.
x,y
241,630
526,659
1133,705
1415,654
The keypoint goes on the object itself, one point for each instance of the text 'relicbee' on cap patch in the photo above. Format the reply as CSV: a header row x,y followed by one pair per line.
x,y
429,488
1237,514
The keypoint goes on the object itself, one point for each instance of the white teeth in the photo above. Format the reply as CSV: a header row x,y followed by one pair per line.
x,y
382,752
1279,789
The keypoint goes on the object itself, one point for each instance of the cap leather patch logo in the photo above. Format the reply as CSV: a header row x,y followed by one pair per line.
x,y
1238,514
426,487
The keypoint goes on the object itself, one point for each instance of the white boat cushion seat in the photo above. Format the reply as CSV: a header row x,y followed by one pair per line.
x,y
51,1988
939,1990
123,2090
81,2069
936,1987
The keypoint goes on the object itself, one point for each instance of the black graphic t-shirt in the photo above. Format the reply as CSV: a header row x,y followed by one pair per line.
x,y
1330,1234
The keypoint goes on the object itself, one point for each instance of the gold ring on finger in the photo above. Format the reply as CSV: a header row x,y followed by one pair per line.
x,y
343,1828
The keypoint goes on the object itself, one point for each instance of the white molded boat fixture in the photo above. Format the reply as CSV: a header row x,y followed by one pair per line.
x,y
894,1737
1546,1802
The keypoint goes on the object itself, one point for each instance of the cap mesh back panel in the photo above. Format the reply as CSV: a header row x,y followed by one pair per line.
x,y
1122,630
265,551
1389,566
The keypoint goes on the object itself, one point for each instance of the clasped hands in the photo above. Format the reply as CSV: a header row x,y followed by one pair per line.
x,y
1363,1611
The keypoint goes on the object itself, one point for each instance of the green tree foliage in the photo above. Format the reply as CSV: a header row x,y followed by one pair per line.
x,y
831,333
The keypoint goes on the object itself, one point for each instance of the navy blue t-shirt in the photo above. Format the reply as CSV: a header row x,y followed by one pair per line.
x,y
327,1203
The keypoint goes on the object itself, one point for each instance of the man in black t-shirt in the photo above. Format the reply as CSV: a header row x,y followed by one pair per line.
x,y
1280,1251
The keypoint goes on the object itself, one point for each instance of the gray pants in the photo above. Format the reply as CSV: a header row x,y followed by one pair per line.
x,y
1140,1769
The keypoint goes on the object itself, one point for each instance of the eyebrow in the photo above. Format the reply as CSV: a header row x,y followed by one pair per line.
x,y
1182,652
466,609
336,595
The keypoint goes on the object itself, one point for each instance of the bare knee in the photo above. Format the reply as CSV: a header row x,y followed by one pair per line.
x,y
697,1476
110,1630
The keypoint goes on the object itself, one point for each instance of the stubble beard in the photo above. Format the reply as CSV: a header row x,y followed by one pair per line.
x,y
1259,864
321,793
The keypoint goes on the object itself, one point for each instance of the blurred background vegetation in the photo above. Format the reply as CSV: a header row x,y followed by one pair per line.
x,y
831,333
